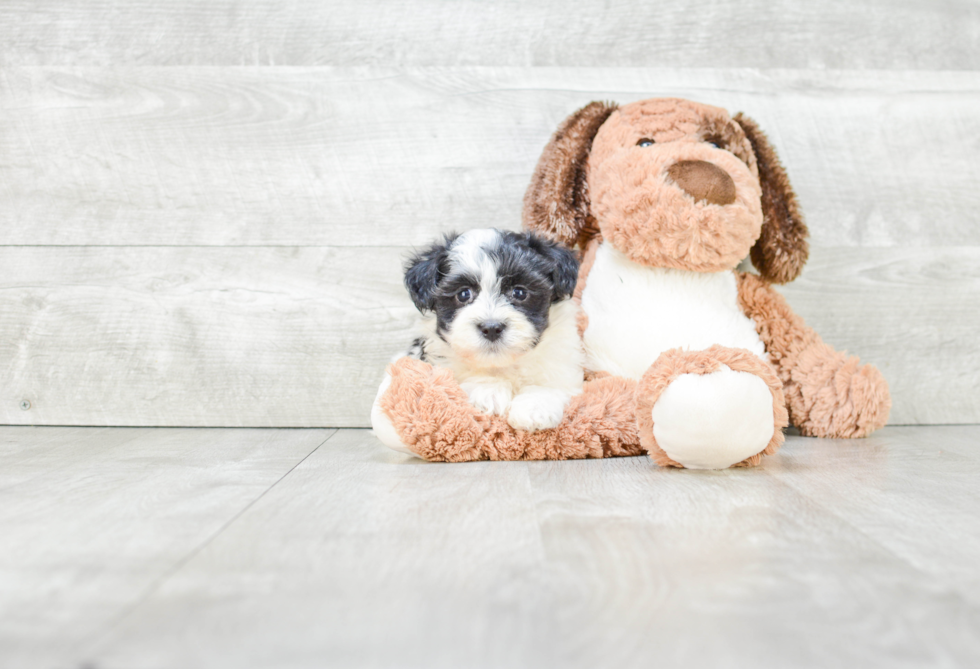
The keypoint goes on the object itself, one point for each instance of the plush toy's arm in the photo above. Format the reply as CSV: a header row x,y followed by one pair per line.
x,y
421,410
828,393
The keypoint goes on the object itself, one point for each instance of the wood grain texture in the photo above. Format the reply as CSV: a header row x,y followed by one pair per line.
x,y
876,34
93,520
867,486
300,336
796,563
382,156
297,150
218,336
400,564
834,553
912,313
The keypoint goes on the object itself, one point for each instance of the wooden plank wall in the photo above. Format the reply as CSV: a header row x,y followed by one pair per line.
x,y
204,206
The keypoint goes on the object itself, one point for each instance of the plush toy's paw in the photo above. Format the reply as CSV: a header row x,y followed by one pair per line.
x,y
490,396
710,409
537,408
712,421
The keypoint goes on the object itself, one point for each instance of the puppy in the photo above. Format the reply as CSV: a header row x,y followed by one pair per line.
x,y
496,311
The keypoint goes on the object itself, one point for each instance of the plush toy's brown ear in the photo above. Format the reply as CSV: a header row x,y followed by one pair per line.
x,y
556,204
782,249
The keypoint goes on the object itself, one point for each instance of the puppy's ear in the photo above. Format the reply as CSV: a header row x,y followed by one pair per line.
x,y
556,203
423,271
562,263
782,248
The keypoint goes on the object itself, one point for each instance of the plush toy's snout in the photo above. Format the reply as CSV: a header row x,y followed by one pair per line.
x,y
676,202
704,181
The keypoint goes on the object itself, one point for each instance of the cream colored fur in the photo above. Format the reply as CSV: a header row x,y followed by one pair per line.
x,y
638,312
712,421
381,424
531,389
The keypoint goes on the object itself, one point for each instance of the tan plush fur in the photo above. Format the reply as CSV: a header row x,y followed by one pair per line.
x,y
434,419
675,362
642,215
709,191
588,259
828,393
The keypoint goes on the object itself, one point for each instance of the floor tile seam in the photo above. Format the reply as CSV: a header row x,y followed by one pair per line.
x,y
916,570
102,637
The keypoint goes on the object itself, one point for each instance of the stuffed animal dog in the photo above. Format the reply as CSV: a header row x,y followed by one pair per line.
x,y
664,198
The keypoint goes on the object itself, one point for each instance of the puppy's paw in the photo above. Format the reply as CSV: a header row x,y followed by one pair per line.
x,y
489,396
537,408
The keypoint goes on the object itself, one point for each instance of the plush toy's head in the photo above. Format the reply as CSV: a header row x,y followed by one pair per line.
x,y
669,183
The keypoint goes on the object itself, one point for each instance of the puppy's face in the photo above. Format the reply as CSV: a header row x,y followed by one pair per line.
x,y
491,291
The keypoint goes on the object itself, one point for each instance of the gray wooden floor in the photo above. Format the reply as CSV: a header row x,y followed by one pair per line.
x,y
137,547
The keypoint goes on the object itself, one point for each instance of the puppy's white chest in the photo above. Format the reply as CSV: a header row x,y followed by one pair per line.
x,y
636,313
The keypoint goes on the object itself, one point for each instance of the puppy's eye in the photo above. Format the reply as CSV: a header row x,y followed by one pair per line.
x,y
464,296
645,142
520,294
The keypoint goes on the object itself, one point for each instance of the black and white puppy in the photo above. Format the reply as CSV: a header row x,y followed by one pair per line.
x,y
497,311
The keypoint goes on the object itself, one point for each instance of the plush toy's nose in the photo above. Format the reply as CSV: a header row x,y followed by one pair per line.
x,y
704,181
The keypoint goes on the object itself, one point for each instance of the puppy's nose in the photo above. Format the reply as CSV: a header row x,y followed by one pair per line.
x,y
492,330
704,181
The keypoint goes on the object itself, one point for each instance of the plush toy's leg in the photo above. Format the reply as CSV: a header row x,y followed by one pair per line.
x,y
422,410
710,409
831,394
828,393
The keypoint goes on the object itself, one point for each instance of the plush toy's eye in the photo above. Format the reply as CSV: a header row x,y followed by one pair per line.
x,y
646,141
464,296
715,141
520,294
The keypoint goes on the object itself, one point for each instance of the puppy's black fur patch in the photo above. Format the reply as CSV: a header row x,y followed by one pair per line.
x,y
445,304
560,263
417,349
545,271
425,270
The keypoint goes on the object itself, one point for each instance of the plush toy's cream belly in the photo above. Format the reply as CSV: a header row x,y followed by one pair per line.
x,y
636,313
